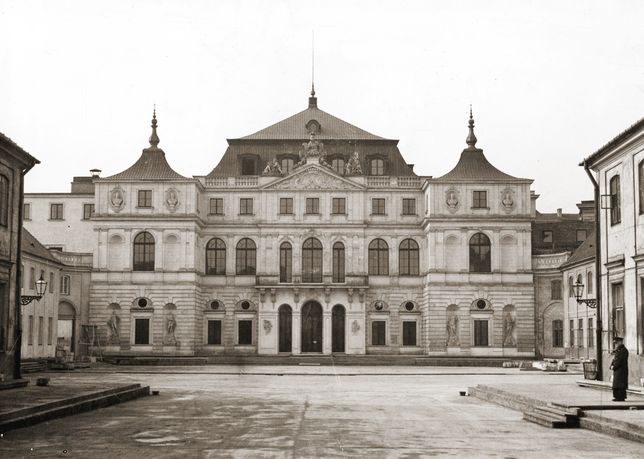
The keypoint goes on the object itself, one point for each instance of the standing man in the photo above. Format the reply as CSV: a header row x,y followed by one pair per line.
x,y
619,366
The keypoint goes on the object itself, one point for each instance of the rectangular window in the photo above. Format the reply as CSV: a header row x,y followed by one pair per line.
x,y
409,206
88,211
248,166
339,206
580,333
378,206
286,206
245,206
615,201
479,200
312,205
378,328
32,278
26,211
216,206
287,165
30,334
581,235
617,310
64,285
4,306
555,289
41,324
5,202
481,337
591,333
547,236
141,331
572,333
286,263
409,333
145,198
56,212
51,282
557,333
245,332
50,330
214,332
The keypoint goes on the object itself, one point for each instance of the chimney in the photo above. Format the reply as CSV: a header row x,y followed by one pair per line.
x,y
559,212
96,173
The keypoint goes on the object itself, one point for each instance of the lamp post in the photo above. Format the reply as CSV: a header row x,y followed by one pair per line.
x,y
41,287
578,289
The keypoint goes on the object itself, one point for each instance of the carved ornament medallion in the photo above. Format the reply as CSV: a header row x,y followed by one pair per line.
x,y
452,200
117,199
172,199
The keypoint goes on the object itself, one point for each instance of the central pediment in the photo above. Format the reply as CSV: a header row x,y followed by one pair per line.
x,y
313,177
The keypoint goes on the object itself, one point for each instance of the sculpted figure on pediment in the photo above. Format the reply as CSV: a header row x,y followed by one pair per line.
x,y
273,168
353,166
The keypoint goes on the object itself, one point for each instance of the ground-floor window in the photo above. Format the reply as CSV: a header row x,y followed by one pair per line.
x,y
409,333
580,333
378,328
141,331
481,332
50,330
41,330
557,333
214,332
572,333
591,333
30,335
245,332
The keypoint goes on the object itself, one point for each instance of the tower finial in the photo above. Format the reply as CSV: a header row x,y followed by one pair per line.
x,y
154,138
312,63
471,138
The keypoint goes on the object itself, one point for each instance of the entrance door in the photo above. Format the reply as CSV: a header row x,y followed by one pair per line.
x,y
337,328
312,327
285,328
66,325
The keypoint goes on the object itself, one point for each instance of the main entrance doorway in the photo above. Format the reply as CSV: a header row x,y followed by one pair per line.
x,y
285,328
66,325
337,328
312,327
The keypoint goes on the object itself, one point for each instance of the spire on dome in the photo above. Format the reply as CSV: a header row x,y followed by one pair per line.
x,y
154,138
471,138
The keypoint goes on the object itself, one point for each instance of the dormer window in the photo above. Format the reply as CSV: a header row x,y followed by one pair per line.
x,y
377,166
338,164
287,165
249,165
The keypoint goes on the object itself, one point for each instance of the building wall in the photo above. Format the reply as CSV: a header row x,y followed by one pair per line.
x,y
582,344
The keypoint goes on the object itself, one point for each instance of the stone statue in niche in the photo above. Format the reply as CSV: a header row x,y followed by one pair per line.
x,y
170,327
452,330
268,326
355,327
507,200
172,199
116,199
509,324
451,199
353,165
273,168
113,328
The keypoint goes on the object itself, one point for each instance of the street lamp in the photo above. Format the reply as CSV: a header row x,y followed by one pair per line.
x,y
41,287
578,289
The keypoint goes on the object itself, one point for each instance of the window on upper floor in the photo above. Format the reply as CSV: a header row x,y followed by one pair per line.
x,y
246,206
480,254
26,211
378,206
143,254
378,258
377,166
555,289
286,206
65,285
56,211
338,262
287,165
479,199
286,262
640,182
615,201
32,278
246,257
581,235
312,260
216,257
338,165
312,205
249,165
5,208
571,288
408,258
51,282
88,211
546,236
339,206
589,282
409,206
144,198
216,206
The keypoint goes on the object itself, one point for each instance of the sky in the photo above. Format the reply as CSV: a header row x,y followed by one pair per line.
x,y
550,82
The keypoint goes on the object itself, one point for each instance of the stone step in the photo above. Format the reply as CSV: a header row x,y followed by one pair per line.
x,y
571,414
612,427
46,412
546,420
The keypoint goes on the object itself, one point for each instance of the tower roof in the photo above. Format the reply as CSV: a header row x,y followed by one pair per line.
x,y
152,164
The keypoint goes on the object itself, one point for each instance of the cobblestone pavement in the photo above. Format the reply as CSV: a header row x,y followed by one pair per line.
x,y
322,414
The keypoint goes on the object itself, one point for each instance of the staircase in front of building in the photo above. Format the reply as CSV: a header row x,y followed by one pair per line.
x,y
553,416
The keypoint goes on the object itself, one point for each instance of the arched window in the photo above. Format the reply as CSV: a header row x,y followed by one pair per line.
x,y
143,252
312,260
286,262
615,201
589,282
246,257
216,257
377,166
480,257
378,258
408,257
338,262
4,200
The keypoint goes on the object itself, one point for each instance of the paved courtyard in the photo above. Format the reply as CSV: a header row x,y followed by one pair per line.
x,y
307,412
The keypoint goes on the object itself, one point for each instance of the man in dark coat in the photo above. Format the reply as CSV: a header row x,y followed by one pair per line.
x,y
620,370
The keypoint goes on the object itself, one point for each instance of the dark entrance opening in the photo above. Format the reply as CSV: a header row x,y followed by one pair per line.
x,y
142,331
337,328
285,328
312,327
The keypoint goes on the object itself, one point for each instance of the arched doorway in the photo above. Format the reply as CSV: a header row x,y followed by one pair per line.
x,y
312,327
337,328
285,328
66,326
